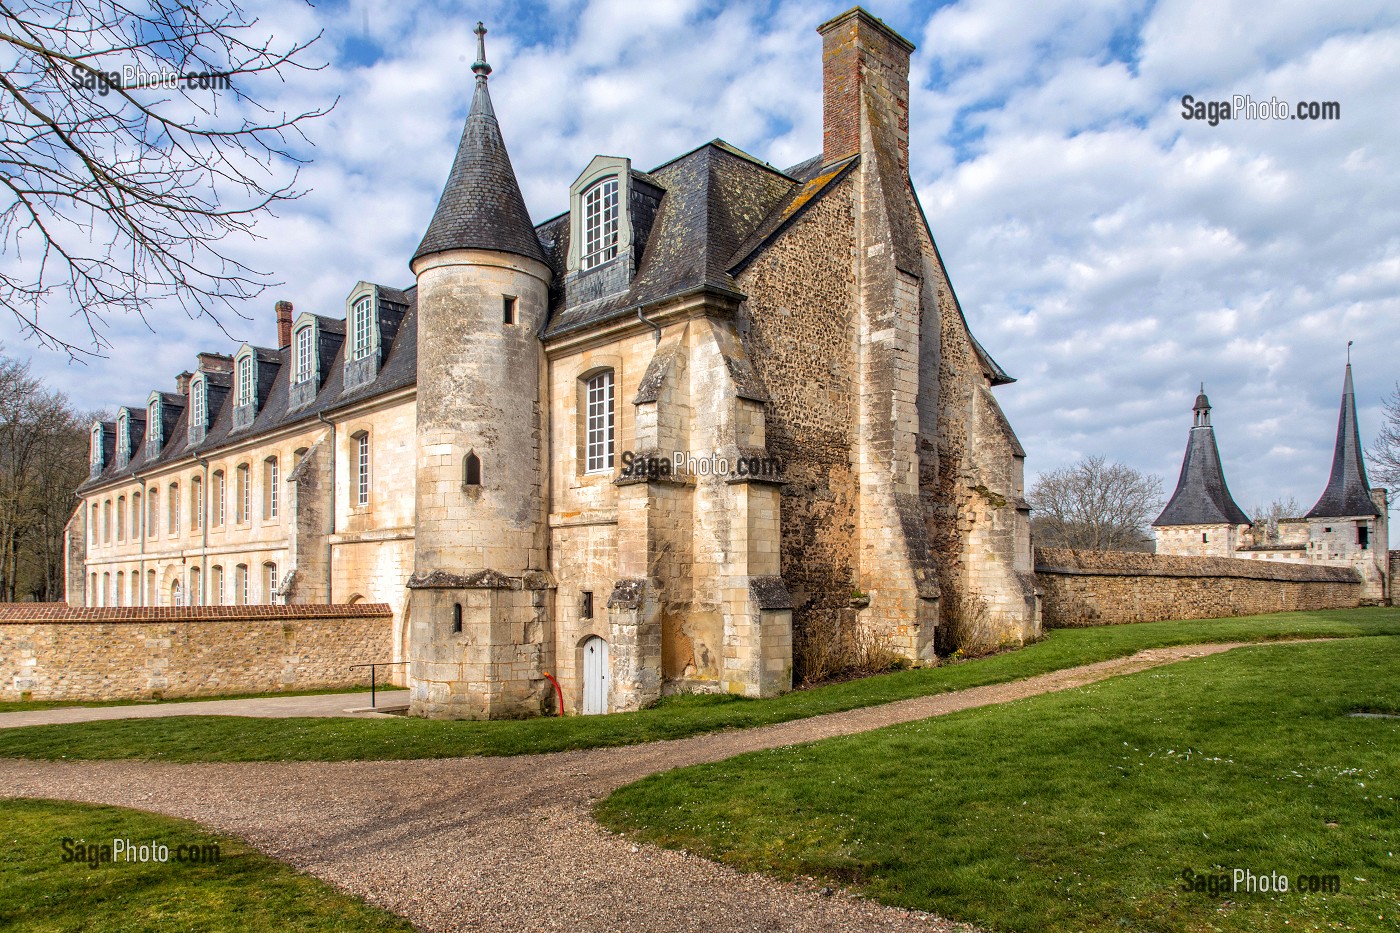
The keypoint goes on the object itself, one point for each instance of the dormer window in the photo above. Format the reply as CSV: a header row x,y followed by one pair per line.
x,y
245,381
362,327
245,388
123,438
155,437
95,453
199,409
600,223
305,341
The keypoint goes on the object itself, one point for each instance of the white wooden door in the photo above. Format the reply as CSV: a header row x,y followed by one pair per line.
x,y
595,676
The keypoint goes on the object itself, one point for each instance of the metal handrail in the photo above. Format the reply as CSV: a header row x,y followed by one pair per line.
x,y
372,667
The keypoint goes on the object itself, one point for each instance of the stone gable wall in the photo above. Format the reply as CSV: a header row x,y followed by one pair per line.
x,y
54,652
1083,588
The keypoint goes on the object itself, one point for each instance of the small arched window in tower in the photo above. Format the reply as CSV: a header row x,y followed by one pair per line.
x,y
471,471
507,309
457,618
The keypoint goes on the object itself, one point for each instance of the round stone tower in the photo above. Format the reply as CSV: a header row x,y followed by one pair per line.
x,y
480,612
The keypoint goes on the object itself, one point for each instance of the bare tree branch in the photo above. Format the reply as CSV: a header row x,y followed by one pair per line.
x,y
118,192
1095,505
1384,454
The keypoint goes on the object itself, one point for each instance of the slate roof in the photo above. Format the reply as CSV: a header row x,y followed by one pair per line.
x,y
1348,494
481,205
1202,497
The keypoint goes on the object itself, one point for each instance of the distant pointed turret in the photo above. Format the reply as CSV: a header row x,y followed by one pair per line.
x,y
1202,497
1348,494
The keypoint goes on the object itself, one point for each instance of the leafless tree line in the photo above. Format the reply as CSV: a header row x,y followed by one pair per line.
x,y
43,458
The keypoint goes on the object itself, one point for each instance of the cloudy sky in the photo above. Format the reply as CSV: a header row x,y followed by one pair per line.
x,y
1109,254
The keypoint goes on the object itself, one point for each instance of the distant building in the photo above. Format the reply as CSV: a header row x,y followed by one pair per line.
x,y
1348,526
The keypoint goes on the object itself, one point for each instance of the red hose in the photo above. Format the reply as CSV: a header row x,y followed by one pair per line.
x,y
557,690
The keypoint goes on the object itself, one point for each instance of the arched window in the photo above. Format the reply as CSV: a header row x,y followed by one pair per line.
x,y
151,588
152,520
153,432
121,518
107,522
240,493
245,381
93,591
362,328
216,585
600,223
93,534
270,582
136,514
471,470
106,596
304,368
95,452
177,593
195,598
199,410
172,518
123,438
219,495
599,426
196,504
240,585
121,580
271,489
361,468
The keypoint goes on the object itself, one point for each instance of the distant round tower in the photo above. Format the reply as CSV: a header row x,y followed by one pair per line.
x,y
481,602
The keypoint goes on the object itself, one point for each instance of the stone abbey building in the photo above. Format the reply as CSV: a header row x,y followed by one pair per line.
x,y
1348,527
640,446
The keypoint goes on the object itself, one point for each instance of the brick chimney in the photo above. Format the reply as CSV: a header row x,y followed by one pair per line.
x,y
284,324
182,383
215,363
865,85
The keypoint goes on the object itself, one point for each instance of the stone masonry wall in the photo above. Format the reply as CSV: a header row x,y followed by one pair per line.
x,y
52,652
1083,588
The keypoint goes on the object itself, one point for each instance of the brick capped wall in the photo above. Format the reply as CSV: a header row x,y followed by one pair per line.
x,y
54,652
1082,588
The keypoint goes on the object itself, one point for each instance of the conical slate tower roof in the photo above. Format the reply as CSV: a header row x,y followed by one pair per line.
x,y
1347,495
1201,496
481,206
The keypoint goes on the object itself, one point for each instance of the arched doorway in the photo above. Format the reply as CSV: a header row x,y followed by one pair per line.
x,y
595,676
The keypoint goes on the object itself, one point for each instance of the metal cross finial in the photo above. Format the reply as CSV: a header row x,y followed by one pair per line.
x,y
1349,343
479,67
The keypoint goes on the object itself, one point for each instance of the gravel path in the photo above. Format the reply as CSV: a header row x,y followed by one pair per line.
x,y
351,705
508,843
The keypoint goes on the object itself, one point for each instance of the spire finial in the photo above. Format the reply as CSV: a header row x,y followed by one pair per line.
x,y
1349,343
479,67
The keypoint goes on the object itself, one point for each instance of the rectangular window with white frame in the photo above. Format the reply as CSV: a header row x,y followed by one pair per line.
x,y
305,342
245,381
362,469
599,423
271,488
600,222
362,328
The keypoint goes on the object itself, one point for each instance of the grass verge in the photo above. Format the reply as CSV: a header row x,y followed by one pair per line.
x,y
226,738
243,891
1081,810
23,706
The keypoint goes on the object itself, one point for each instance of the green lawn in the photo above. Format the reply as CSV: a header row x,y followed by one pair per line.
x,y
243,891
20,706
221,738
1081,810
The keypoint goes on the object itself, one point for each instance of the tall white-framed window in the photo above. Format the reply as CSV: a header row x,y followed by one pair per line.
x,y
153,425
600,223
304,343
270,581
362,469
362,327
123,438
93,536
271,488
121,518
216,594
199,408
219,493
245,380
177,593
240,585
196,504
95,452
599,425
172,517
241,493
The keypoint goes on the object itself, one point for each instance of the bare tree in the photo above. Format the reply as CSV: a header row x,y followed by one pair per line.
x,y
42,461
1267,517
1385,452
1095,505
131,149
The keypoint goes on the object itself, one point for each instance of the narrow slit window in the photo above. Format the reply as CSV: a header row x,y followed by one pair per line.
x,y
456,617
472,470
508,309
587,604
